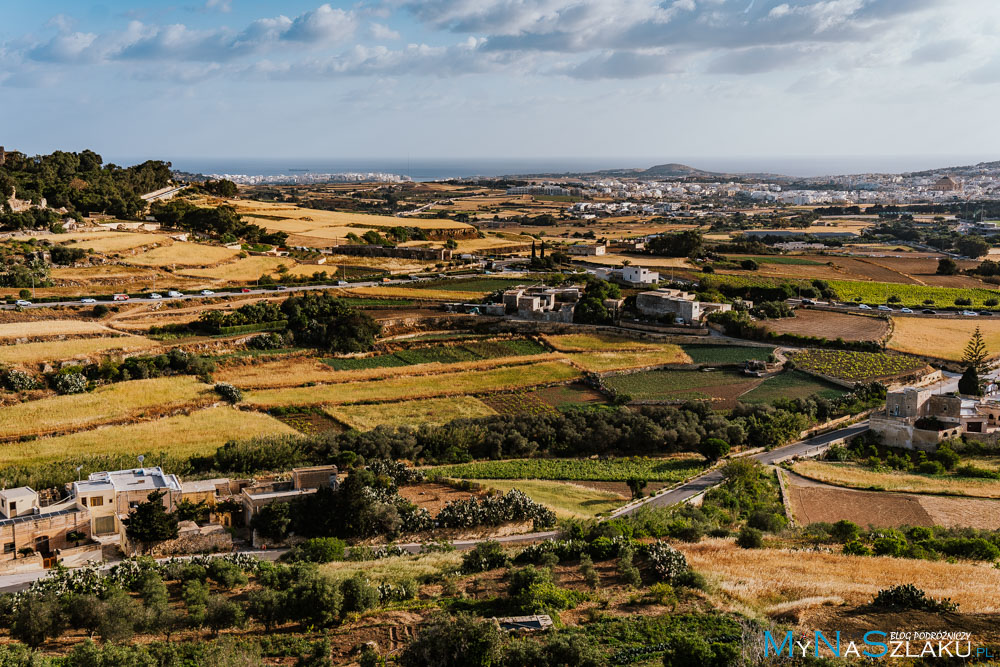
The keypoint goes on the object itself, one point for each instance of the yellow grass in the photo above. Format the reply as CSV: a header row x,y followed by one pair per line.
x,y
645,262
762,577
472,245
77,348
112,241
45,328
567,500
945,339
105,404
336,218
407,413
428,386
597,362
601,343
185,254
386,263
856,476
298,371
199,433
413,293
249,268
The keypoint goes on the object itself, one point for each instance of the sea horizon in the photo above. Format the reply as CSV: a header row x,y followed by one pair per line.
x,y
432,169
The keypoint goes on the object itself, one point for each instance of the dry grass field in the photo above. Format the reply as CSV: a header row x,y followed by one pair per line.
x,y
391,264
246,269
942,338
645,261
567,500
198,433
857,476
107,404
830,325
76,348
298,371
426,386
184,254
411,413
763,578
112,242
50,328
597,362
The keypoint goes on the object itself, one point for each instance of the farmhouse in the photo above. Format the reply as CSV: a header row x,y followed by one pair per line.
x,y
682,305
586,249
110,496
547,304
920,419
303,482
633,276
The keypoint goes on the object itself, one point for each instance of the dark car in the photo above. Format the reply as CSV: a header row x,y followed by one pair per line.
x,y
808,302
928,311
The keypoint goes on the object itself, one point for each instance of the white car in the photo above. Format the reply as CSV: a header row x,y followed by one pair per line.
x,y
341,283
884,307
88,300
906,310
207,292
865,306
969,313
174,294
154,295
22,302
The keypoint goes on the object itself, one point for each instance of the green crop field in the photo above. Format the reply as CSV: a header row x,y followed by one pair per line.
x,y
668,385
856,366
792,384
609,470
726,354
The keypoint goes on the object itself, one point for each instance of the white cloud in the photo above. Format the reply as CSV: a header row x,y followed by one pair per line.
x,y
383,32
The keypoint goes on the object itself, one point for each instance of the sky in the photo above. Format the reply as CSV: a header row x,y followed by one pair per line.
x,y
644,80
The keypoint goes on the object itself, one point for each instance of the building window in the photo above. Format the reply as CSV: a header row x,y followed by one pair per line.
x,y
97,501
8,547
83,501
104,525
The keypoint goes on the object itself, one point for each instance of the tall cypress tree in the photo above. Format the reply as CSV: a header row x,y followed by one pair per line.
x,y
976,354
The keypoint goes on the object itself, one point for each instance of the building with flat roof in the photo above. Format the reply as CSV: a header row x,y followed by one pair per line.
x,y
683,305
110,496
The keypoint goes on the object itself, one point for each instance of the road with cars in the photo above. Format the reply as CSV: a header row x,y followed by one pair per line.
x,y
884,308
171,295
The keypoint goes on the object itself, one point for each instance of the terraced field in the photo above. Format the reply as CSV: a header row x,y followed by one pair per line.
x,y
410,413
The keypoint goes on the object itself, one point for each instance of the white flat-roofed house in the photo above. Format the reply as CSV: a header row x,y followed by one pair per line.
x,y
19,501
110,496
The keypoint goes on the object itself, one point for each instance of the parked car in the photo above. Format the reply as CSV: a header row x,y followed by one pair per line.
x,y
905,310
22,302
884,307
207,292
154,295
173,294
865,306
928,311
88,300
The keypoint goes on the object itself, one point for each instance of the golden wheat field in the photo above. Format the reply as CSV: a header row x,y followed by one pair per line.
x,y
184,254
424,386
411,413
761,578
598,362
109,403
198,433
298,371
114,241
47,328
320,218
944,339
75,348
585,342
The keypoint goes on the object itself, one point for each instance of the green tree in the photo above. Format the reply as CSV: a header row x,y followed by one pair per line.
x,y
969,383
221,613
713,449
947,267
37,618
150,522
272,521
266,606
976,355
636,485
454,641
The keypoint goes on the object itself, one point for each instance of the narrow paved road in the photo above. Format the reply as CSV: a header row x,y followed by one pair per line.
x,y
700,484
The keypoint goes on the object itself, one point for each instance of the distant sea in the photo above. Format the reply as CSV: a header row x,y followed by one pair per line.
x,y
430,169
